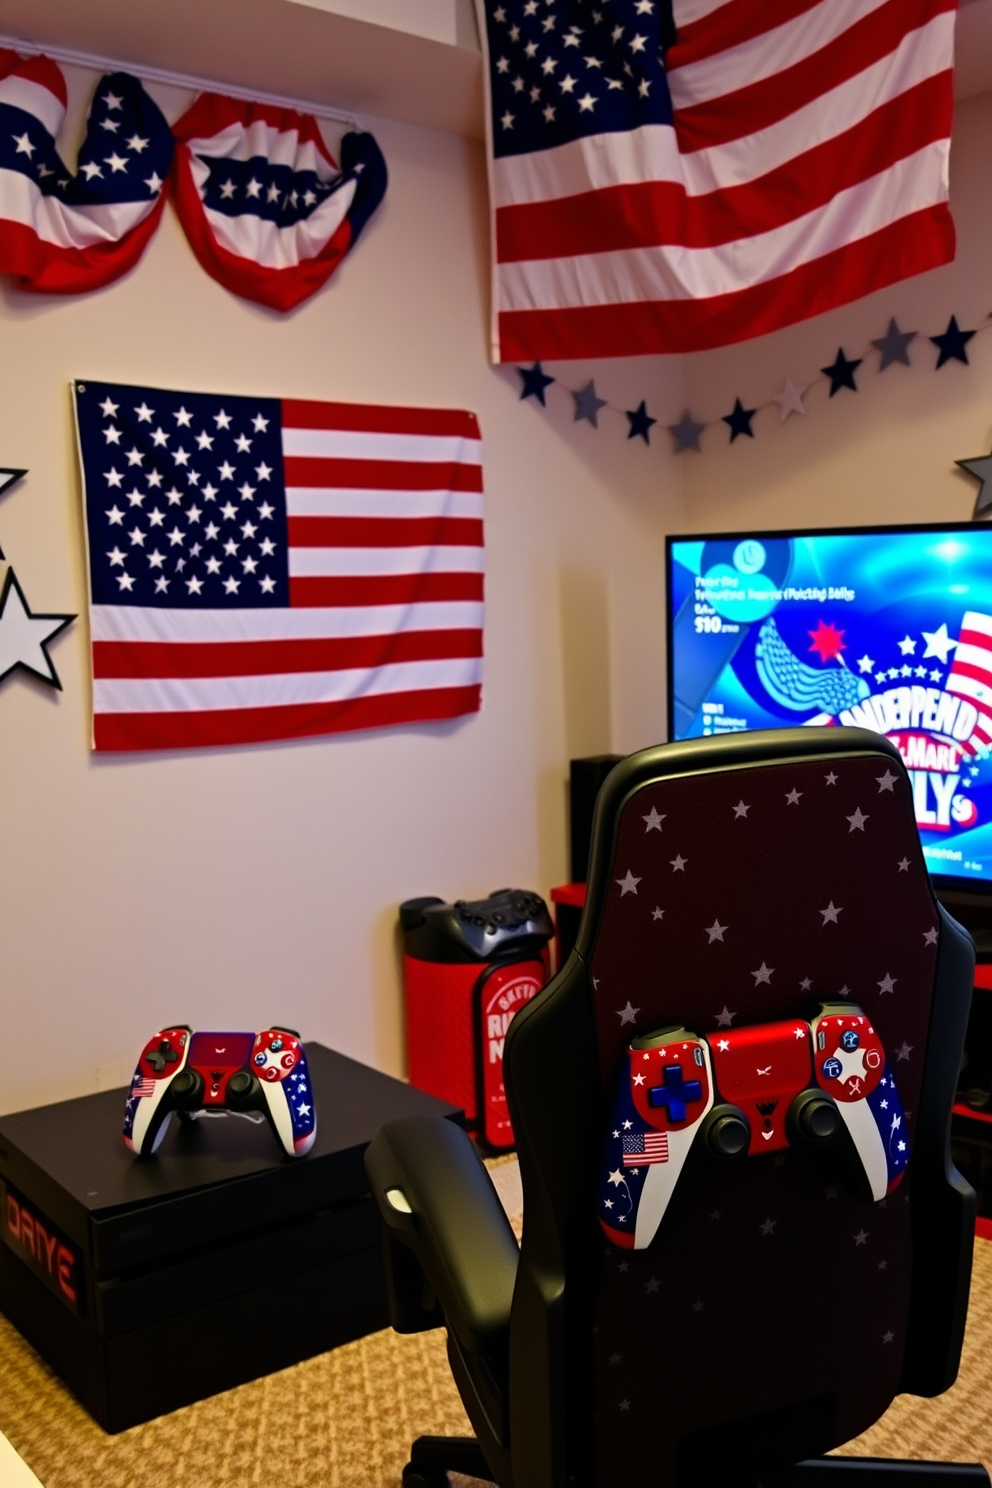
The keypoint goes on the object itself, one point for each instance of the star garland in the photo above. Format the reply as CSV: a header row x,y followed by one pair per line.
x,y
535,382
842,374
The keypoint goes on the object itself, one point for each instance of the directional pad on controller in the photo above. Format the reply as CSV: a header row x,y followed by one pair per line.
x,y
675,1093
163,1055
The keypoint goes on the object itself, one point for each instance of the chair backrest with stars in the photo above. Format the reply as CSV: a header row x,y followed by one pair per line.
x,y
766,1309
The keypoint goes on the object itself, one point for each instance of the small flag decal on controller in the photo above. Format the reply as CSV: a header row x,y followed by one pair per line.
x,y
268,569
644,1148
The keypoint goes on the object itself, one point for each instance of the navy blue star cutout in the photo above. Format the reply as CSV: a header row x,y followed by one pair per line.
x,y
640,422
588,404
841,372
9,478
686,433
894,346
739,419
535,380
952,343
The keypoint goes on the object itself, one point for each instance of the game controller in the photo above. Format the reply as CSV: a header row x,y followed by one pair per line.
x,y
193,1073
476,929
745,1091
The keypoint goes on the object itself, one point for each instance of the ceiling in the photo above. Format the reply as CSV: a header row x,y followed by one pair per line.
x,y
417,61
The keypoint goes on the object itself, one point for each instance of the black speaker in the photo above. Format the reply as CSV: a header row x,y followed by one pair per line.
x,y
585,778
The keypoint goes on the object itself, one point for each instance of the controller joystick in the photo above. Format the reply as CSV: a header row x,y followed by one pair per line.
x,y
813,1119
187,1088
188,1072
741,1093
726,1133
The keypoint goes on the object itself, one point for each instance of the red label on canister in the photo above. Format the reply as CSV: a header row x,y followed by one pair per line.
x,y
503,992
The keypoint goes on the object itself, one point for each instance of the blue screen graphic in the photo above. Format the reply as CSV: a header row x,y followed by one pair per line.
x,y
888,630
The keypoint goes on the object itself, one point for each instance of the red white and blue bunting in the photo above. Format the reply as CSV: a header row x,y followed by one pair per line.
x,y
66,233
266,210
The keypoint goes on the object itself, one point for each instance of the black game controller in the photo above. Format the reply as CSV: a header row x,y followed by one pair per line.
x,y
477,929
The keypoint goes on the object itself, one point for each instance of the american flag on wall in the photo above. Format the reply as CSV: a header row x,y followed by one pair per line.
x,y
266,568
667,177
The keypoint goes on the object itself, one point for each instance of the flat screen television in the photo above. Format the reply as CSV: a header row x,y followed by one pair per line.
x,y
888,628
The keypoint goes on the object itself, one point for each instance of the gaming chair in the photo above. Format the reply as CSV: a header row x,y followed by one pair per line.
x,y
703,1309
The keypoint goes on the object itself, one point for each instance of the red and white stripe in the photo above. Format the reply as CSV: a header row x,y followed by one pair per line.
x,y
384,626
970,676
807,166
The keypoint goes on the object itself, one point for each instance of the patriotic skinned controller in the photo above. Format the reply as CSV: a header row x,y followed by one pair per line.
x,y
188,1072
742,1092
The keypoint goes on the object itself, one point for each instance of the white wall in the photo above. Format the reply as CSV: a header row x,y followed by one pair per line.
x,y
239,887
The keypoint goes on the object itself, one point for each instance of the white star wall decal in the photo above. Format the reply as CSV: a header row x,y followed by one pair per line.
x,y
24,636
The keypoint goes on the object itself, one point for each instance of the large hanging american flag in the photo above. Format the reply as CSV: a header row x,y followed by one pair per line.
x,y
267,569
266,210
669,179
66,233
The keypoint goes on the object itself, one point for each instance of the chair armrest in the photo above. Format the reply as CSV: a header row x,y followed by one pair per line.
x,y
437,1200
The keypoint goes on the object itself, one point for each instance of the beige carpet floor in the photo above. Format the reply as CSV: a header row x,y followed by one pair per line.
x,y
346,1419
